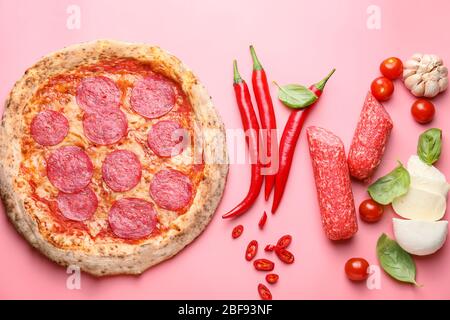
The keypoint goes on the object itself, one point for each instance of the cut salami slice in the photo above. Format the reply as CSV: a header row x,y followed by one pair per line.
x,y
370,139
171,189
334,190
69,169
167,138
121,170
105,128
98,94
132,218
48,128
78,206
152,97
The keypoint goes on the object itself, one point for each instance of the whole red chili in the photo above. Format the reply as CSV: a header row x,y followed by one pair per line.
x,y
272,278
251,127
263,265
284,241
289,140
237,231
264,292
267,118
284,255
252,250
269,248
262,221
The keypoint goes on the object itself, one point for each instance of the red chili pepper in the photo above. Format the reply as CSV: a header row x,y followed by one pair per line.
x,y
289,140
264,292
251,127
267,118
272,278
237,231
262,221
284,255
252,250
269,248
284,241
263,265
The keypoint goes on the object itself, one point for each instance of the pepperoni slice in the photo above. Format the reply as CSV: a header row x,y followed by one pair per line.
x,y
48,128
69,169
98,94
105,128
171,189
78,206
166,137
121,170
152,97
132,218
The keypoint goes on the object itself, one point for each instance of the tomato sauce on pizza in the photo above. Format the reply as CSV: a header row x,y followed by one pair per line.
x,y
109,153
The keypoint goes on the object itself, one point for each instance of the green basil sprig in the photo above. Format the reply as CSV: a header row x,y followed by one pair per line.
x,y
391,186
296,96
396,261
429,146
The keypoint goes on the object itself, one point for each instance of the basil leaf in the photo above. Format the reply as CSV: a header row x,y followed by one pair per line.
x,y
391,186
429,146
296,96
395,261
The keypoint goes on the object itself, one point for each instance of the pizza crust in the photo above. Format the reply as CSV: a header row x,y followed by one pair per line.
x,y
117,258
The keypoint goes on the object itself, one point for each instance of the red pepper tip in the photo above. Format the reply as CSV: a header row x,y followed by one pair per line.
x,y
256,64
321,84
276,83
275,203
237,77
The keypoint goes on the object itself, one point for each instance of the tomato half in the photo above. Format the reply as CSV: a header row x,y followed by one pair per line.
x,y
423,111
356,269
370,211
392,68
382,88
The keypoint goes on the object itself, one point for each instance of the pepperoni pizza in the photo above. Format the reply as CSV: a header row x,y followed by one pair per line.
x,y
113,157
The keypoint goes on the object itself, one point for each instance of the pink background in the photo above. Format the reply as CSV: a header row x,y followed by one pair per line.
x,y
297,41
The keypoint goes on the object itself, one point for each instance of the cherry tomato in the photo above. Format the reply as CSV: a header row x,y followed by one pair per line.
x,y
356,269
284,241
264,293
370,211
237,231
272,278
423,111
391,68
252,250
263,265
269,248
382,88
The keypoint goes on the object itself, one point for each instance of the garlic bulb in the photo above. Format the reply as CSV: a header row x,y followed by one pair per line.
x,y
425,75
